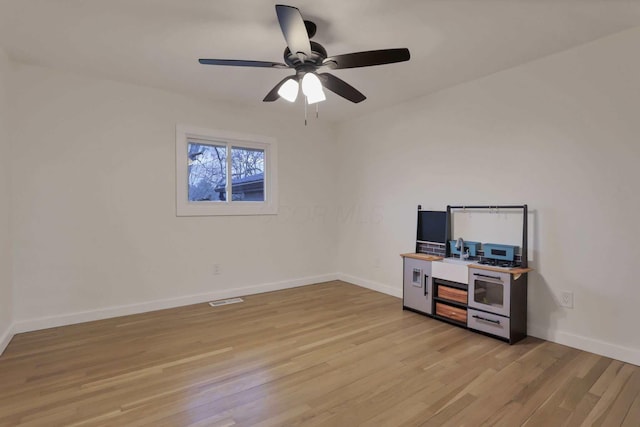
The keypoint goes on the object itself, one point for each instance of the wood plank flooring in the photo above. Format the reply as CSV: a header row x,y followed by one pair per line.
x,y
331,354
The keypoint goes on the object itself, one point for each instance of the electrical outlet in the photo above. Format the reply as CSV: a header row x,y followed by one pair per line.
x,y
566,299
216,269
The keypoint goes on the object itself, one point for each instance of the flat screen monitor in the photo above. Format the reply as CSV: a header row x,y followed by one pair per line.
x,y
432,226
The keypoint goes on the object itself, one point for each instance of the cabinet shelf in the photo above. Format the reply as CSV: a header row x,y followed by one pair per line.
x,y
450,284
450,302
457,314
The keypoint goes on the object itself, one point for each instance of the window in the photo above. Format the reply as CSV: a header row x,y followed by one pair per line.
x,y
224,173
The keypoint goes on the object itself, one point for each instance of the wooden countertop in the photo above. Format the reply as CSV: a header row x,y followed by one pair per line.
x,y
423,257
514,271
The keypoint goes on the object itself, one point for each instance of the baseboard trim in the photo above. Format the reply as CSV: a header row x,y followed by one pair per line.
x,y
625,354
369,284
125,310
603,348
5,338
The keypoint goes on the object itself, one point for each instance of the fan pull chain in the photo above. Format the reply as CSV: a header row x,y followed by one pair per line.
x,y
306,114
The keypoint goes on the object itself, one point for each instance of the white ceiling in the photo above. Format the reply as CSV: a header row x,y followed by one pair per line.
x,y
157,42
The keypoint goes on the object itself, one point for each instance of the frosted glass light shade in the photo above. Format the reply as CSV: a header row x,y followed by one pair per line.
x,y
312,88
289,90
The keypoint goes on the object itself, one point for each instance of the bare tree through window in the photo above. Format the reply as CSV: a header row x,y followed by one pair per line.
x,y
208,173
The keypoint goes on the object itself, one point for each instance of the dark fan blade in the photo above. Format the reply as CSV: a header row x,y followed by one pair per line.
x,y
241,63
342,88
293,29
367,59
273,94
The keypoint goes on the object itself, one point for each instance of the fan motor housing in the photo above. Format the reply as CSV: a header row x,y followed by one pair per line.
x,y
318,54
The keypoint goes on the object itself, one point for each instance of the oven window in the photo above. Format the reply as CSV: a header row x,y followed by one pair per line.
x,y
489,293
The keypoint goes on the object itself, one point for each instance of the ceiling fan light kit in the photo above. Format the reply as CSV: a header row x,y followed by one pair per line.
x,y
312,88
310,61
289,90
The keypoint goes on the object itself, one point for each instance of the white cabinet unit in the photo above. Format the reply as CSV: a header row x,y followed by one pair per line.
x,y
417,281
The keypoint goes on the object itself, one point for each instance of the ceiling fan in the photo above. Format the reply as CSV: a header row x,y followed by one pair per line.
x,y
309,60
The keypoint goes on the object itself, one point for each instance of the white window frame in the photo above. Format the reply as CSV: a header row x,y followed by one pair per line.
x,y
184,207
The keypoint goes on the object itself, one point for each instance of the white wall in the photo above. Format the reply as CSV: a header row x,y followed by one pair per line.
x,y
95,211
6,298
95,234
560,134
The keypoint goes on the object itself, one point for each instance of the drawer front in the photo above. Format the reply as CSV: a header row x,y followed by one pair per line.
x,y
454,313
452,294
489,323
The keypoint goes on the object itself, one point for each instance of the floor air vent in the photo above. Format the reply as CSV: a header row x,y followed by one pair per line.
x,y
225,302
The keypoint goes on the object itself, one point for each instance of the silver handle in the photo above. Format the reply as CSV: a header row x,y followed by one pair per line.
x,y
475,316
426,280
486,276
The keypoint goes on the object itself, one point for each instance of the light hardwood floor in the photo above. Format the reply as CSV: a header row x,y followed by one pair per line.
x,y
331,354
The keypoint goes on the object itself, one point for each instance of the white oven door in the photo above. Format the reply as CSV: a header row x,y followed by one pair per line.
x,y
490,291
